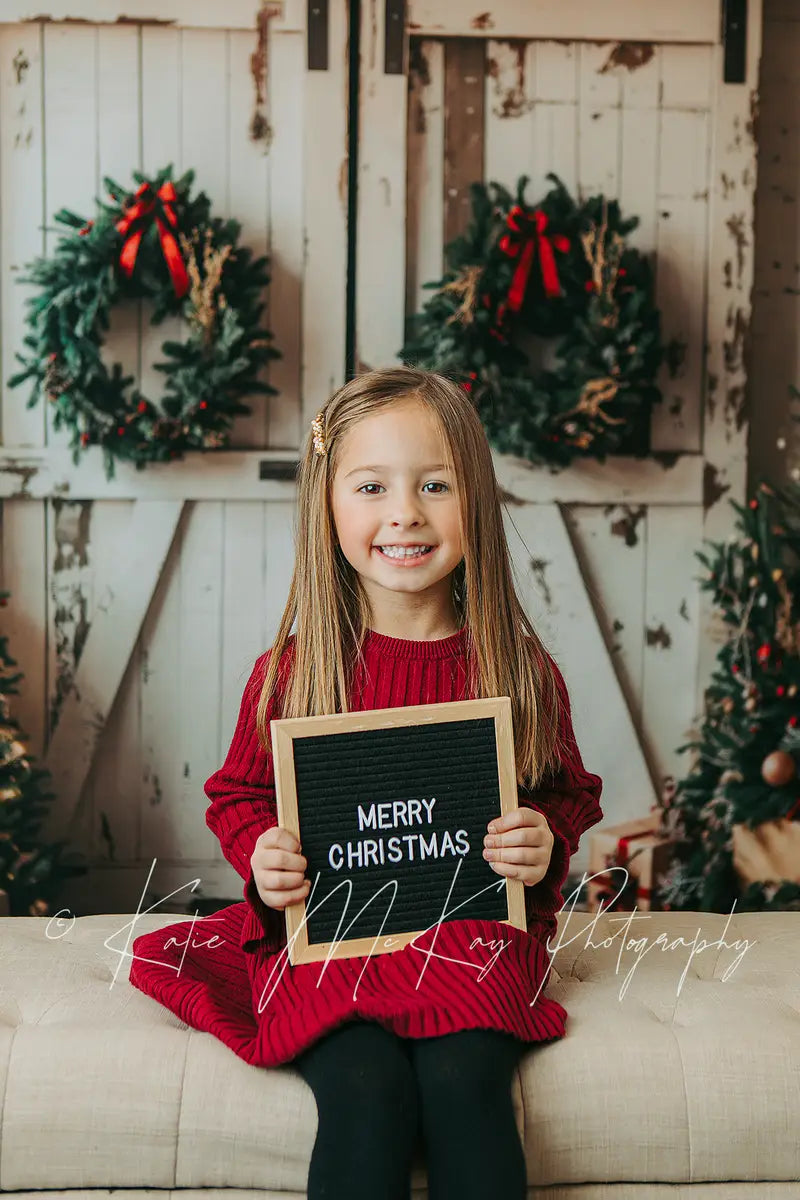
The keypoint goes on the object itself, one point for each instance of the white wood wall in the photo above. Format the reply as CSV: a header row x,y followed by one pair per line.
x,y
775,361
77,102
604,554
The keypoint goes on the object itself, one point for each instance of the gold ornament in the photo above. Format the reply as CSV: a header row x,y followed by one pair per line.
x,y
319,433
778,768
750,703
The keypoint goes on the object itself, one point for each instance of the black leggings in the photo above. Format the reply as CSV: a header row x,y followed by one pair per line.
x,y
376,1091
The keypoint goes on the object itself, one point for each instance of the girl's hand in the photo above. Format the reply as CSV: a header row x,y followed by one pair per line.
x,y
519,844
278,867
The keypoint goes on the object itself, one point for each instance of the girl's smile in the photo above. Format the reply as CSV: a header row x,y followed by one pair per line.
x,y
405,558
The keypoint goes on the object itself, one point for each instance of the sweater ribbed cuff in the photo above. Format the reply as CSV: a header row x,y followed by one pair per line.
x,y
544,899
272,921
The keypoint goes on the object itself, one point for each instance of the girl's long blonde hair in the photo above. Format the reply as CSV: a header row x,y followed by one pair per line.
x,y
326,598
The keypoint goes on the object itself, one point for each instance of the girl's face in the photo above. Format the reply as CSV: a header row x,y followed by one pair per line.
x,y
391,489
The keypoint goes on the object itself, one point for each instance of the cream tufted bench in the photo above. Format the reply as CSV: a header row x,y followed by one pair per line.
x,y
680,1079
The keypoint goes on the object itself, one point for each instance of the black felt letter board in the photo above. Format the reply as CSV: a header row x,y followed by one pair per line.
x,y
392,819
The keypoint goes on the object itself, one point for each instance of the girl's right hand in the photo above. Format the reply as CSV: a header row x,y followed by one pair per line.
x,y
278,868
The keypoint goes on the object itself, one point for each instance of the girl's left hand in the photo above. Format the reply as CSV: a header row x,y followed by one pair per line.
x,y
519,844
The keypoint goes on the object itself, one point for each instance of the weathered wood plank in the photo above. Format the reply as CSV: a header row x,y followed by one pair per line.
x,y
324,208
25,616
70,114
118,154
555,136
162,93
21,217
599,116
464,97
287,64
234,475
671,634
211,14
728,285
612,547
553,591
380,267
630,20
123,597
248,180
424,232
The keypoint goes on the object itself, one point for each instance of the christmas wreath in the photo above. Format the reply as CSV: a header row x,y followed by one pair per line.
x,y
162,245
521,276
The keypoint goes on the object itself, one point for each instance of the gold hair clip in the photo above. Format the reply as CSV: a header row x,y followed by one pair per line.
x,y
319,435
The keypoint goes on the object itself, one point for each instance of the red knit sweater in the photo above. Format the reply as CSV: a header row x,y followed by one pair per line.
x,y
232,977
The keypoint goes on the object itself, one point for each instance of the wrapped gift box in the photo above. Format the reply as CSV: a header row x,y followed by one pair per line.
x,y
643,849
770,853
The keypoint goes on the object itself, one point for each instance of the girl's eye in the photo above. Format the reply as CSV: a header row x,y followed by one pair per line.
x,y
434,482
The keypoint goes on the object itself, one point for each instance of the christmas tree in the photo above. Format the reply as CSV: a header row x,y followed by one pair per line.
x,y
744,773
29,873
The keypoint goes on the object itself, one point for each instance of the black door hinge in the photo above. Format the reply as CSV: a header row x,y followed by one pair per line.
x,y
734,40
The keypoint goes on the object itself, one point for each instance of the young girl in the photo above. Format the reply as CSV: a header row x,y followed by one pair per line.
x,y
402,593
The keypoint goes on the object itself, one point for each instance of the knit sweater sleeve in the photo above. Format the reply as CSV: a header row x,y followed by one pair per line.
x,y
243,806
570,803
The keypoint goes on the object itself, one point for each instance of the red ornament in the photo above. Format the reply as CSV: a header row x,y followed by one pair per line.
x,y
589,285
792,721
763,652
778,768
84,439
754,504
735,668
779,690
120,430
141,406
204,404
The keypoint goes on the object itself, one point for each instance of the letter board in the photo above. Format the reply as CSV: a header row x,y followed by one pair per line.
x,y
391,807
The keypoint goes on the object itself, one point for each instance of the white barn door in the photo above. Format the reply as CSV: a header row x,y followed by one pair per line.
x,y
138,606
631,100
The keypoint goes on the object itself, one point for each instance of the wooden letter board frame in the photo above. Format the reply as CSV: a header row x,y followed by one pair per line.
x,y
283,733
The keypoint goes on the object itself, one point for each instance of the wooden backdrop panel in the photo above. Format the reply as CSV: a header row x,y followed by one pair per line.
x,y
644,117
267,139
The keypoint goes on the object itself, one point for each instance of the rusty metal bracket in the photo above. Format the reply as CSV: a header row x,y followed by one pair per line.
x,y
317,29
734,40
394,37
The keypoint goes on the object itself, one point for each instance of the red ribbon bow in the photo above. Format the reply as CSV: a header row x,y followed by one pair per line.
x,y
527,230
146,202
